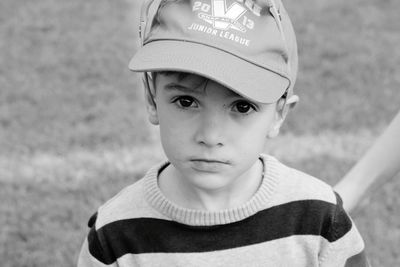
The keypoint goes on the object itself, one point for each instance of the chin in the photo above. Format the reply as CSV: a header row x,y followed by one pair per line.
x,y
210,181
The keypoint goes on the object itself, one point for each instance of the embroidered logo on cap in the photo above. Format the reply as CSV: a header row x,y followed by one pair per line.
x,y
224,18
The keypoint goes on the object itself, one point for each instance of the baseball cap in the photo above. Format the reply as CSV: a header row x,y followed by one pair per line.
x,y
248,46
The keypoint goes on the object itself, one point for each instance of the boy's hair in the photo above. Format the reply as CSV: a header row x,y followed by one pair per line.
x,y
248,48
181,75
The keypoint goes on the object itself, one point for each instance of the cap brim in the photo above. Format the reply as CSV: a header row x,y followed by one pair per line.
x,y
237,74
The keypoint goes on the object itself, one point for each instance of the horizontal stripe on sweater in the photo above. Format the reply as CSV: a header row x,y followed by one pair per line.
x,y
151,235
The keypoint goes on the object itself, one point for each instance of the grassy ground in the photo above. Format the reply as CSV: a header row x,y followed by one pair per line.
x,y
73,131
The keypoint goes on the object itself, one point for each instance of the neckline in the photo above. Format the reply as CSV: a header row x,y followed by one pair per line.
x,y
193,217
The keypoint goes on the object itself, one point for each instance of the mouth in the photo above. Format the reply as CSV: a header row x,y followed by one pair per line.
x,y
211,161
209,165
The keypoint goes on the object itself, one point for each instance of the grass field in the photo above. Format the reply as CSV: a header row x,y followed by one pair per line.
x,y
73,130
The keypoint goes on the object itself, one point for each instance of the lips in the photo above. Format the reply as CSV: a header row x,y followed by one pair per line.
x,y
208,165
210,160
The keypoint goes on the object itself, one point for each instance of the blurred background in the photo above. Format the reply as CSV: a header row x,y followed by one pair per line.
x,y
73,129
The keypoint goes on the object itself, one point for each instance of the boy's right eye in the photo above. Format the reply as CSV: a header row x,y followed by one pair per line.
x,y
185,101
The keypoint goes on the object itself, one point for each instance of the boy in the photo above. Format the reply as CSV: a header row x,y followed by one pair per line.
x,y
222,74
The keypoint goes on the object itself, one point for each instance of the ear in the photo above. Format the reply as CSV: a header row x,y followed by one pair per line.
x,y
282,109
288,104
151,105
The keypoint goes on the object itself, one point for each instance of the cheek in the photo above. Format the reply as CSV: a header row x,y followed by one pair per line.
x,y
172,126
253,136
171,143
254,140
258,128
174,133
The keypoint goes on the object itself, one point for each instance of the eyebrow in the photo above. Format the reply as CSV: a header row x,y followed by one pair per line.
x,y
179,87
173,86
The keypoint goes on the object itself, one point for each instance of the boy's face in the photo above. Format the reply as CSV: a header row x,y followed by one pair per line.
x,y
211,135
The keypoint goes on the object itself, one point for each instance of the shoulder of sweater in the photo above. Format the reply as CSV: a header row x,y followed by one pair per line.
x,y
129,203
295,185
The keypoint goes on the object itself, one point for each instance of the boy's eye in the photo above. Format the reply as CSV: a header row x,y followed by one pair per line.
x,y
185,101
243,107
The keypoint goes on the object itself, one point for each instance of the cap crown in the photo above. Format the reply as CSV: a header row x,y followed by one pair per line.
x,y
259,35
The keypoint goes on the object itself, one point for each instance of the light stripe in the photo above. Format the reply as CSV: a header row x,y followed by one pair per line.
x,y
291,251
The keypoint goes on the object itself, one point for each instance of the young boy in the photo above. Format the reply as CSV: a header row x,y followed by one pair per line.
x,y
222,74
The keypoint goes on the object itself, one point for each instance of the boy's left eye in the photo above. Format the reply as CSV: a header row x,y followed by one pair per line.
x,y
243,107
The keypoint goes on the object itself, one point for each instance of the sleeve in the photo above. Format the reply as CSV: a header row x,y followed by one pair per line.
x,y
344,245
92,250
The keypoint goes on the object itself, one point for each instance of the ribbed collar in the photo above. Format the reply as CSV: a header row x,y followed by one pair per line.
x,y
258,202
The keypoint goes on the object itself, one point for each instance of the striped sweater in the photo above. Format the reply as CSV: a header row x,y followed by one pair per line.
x,y
292,220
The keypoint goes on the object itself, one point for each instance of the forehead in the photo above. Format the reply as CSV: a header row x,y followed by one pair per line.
x,y
189,79
190,83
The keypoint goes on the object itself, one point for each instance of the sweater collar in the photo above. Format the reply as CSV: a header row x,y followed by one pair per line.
x,y
257,202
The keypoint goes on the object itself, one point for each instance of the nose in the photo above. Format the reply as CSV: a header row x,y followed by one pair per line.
x,y
210,130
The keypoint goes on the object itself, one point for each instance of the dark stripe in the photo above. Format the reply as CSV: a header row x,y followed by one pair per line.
x,y
148,235
95,247
359,260
92,220
342,222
